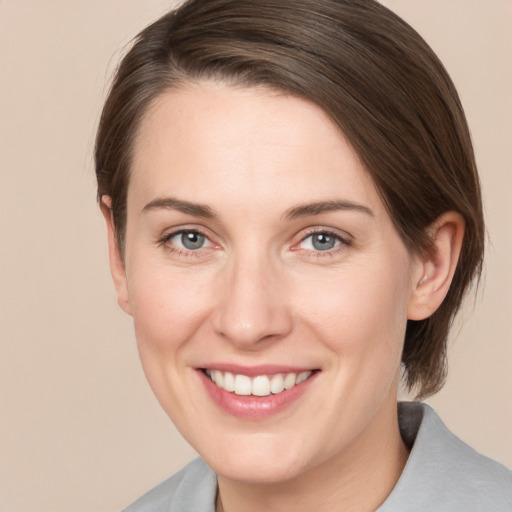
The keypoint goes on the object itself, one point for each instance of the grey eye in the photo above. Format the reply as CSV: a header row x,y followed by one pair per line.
x,y
192,240
323,241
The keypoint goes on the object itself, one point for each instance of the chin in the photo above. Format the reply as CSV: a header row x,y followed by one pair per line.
x,y
256,462
259,472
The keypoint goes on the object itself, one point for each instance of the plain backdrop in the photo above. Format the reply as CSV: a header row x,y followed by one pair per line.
x,y
79,428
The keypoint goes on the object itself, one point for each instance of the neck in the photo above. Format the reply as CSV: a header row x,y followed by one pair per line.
x,y
358,478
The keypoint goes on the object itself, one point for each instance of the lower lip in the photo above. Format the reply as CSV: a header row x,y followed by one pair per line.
x,y
250,406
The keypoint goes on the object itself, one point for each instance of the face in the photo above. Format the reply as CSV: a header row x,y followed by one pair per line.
x,y
260,256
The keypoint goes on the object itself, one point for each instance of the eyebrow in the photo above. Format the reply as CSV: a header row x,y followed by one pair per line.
x,y
316,208
302,210
171,203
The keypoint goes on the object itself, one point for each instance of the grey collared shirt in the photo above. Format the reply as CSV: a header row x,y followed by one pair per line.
x,y
442,474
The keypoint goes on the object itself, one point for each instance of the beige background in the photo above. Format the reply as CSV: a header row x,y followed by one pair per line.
x,y
79,429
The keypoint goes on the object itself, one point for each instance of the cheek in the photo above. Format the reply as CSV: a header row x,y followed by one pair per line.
x,y
361,312
168,309
167,306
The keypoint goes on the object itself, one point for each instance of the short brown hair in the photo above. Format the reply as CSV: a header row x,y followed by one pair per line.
x,y
364,66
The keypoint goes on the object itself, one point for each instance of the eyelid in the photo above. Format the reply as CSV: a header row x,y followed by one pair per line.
x,y
344,238
179,234
168,235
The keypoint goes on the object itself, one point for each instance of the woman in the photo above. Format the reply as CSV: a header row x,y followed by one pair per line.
x,y
294,215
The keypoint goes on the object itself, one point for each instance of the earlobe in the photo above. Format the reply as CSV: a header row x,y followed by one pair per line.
x,y
117,267
435,269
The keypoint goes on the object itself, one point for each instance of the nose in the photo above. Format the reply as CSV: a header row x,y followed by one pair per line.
x,y
252,305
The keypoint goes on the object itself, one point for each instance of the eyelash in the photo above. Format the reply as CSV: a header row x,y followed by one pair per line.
x,y
187,253
343,243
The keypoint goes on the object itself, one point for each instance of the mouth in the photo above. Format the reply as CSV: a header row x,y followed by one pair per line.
x,y
256,393
259,385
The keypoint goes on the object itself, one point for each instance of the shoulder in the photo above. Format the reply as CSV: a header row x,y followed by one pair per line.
x,y
443,473
193,488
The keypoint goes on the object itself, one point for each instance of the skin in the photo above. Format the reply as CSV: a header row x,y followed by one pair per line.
x,y
259,292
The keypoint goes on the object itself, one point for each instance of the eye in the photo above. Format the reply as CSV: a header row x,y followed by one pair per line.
x,y
186,240
320,241
191,240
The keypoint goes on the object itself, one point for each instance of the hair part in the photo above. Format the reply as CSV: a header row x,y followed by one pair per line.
x,y
369,71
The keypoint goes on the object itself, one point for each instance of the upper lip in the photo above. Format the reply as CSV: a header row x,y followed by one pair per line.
x,y
253,371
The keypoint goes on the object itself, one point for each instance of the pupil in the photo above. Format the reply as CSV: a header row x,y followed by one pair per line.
x,y
323,242
192,240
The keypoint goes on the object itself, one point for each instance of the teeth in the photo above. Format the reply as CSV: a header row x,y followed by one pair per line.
x,y
277,384
242,385
290,380
302,377
229,382
262,385
218,378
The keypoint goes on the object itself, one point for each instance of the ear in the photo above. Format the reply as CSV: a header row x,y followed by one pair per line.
x,y
435,269
117,267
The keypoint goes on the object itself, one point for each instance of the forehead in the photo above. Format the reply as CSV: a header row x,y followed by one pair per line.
x,y
253,143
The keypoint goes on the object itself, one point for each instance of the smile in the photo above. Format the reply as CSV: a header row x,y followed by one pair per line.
x,y
259,385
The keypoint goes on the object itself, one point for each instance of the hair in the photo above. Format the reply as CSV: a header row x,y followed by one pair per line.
x,y
369,71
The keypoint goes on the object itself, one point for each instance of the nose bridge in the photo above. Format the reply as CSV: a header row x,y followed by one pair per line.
x,y
253,305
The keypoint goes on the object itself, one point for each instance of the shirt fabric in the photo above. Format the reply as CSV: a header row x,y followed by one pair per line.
x,y
442,474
